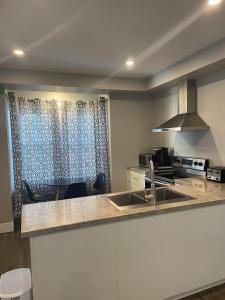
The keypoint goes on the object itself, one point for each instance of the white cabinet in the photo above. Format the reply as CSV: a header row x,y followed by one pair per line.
x,y
135,180
75,264
165,256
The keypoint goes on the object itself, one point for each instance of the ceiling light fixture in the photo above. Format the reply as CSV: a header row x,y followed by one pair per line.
x,y
129,62
18,52
214,2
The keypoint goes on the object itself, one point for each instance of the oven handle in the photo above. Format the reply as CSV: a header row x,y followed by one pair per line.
x,y
158,182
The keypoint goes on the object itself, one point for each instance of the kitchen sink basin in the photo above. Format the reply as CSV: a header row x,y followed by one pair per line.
x,y
137,199
167,195
126,200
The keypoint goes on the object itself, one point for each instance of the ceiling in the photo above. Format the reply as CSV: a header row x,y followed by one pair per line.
x,y
97,36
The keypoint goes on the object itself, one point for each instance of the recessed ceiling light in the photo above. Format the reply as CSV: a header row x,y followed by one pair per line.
x,y
18,52
129,62
214,2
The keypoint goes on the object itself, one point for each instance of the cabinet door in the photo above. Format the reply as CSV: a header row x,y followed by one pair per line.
x,y
75,264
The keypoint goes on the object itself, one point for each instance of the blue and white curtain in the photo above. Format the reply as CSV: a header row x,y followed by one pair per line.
x,y
57,139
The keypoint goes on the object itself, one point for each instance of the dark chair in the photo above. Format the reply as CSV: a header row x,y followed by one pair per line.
x,y
76,190
99,185
34,197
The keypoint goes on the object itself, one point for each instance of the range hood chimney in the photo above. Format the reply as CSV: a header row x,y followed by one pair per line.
x,y
187,118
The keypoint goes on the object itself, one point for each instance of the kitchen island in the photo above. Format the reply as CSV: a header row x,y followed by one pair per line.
x,y
88,249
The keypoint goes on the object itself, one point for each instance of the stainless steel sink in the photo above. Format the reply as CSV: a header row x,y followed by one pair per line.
x,y
137,199
128,200
167,195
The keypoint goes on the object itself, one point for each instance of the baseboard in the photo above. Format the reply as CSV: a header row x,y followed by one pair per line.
x,y
6,227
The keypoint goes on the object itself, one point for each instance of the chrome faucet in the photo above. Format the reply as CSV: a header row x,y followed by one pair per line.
x,y
152,196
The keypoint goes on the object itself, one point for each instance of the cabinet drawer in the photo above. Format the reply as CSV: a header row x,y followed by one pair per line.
x,y
137,175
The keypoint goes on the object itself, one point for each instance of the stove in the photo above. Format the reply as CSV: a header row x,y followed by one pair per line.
x,y
182,167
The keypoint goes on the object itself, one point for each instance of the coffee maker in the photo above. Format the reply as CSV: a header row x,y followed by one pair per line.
x,y
161,157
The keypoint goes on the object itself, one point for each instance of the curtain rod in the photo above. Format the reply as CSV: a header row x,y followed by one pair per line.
x,y
99,98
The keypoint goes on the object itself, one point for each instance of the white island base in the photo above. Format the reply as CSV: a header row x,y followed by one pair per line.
x,y
165,256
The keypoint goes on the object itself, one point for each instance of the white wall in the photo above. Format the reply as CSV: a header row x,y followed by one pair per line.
x,y
164,107
206,61
131,124
211,107
45,81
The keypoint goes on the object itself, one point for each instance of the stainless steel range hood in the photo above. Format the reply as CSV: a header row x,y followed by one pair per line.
x,y
187,118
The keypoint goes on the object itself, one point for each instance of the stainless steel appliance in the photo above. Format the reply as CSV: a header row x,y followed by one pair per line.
x,y
161,157
182,167
216,174
187,118
144,159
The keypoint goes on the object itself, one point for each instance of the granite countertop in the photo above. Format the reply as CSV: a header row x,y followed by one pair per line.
x,y
142,170
49,217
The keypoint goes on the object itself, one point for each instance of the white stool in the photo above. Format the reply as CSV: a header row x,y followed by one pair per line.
x,y
16,284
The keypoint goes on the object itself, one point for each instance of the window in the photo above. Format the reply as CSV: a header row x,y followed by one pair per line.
x,y
53,140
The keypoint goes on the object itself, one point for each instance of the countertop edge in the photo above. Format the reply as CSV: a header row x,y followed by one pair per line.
x,y
136,214
141,170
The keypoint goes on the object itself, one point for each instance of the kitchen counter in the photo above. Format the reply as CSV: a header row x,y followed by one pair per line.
x,y
106,253
141,170
49,217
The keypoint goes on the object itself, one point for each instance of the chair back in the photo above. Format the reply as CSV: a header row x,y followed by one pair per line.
x,y
29,191
99,184
76,190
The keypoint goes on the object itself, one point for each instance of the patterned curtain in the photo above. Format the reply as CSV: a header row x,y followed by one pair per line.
x,y
57,139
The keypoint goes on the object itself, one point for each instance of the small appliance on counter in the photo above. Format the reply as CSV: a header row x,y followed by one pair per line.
x,y
160,157
216,174
144,159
